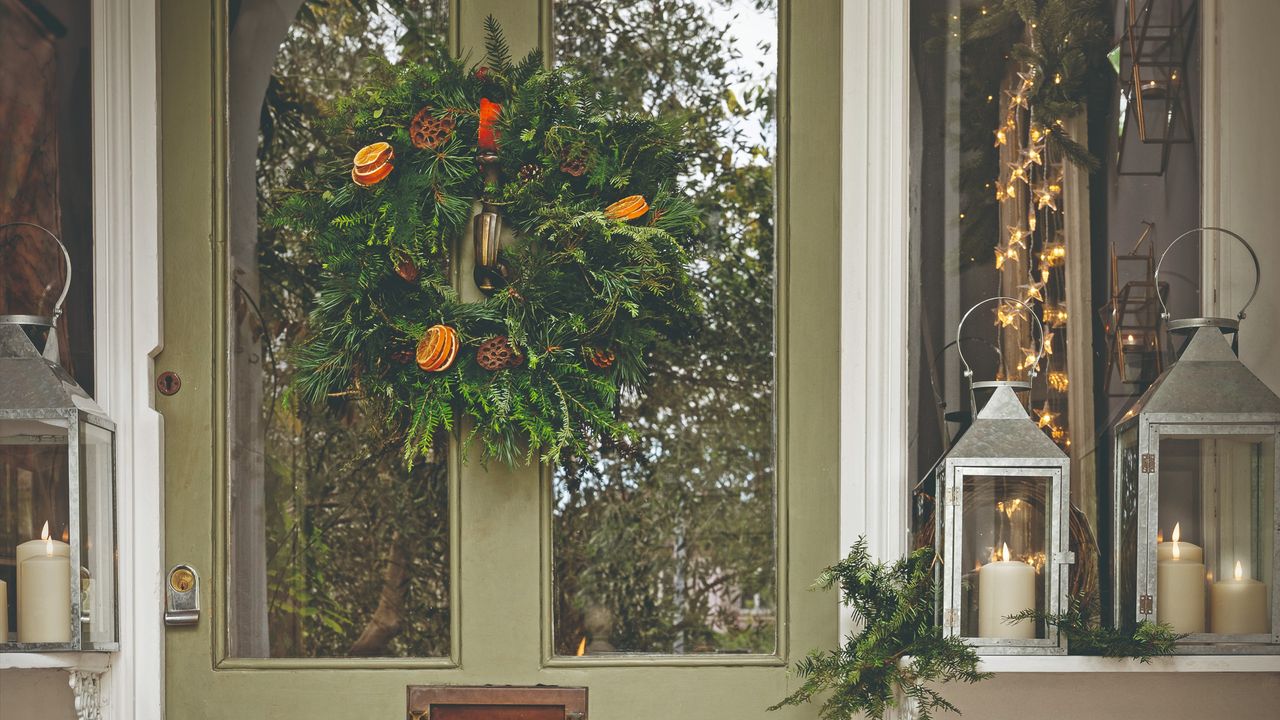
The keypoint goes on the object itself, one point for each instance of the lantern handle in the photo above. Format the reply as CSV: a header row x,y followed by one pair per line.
x,y
1257,268
968,371
66,257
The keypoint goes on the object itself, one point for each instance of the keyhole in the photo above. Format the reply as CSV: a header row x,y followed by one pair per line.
x,y
168,383
182,579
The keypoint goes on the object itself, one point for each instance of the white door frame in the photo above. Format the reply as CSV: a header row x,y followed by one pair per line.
x,y
126,189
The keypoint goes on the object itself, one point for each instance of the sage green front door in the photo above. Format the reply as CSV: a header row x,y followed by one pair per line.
x,y
503,581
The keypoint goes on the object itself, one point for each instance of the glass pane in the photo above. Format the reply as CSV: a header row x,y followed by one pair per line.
x,y
97,526
34,503
1008,207
1005,542
46,73
337,548
1126,591
668,544
1214,552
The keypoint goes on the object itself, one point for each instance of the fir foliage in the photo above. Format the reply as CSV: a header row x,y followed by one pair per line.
x,y
1063,41
580,281
899,649
1087,636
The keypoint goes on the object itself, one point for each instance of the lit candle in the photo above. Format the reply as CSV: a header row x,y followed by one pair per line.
x,y
1186,551
1005,587
1238,606
44,590
36,548
1180,585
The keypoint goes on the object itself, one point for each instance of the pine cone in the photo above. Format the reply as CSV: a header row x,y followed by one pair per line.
x,y
497,353
574,162
602,359
529,173
407,270
429,132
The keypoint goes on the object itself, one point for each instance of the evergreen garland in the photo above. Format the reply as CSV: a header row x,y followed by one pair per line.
x,y
1063,42
899,649
583,285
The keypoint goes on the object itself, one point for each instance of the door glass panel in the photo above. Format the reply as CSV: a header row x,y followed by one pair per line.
x,y
336,547
667,543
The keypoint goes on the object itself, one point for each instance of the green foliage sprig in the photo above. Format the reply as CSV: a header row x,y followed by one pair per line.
x,y
580,281
1064,41
899,649
1087,636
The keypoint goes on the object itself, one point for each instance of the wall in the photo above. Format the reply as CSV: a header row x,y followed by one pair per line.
x,y
35,695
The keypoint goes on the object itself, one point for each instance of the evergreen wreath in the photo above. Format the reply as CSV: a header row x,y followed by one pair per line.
x,y
598,273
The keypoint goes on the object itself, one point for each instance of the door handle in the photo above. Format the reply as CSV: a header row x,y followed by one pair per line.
x,y
182,596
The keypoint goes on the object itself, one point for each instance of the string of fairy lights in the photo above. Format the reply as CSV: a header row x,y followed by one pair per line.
x,y
1031,253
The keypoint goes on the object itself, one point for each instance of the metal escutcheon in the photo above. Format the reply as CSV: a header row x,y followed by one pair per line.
x,y
182,596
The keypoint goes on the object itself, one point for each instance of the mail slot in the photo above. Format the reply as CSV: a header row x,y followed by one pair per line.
x,y
496,703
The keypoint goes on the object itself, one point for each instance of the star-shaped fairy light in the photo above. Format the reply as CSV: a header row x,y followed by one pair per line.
x,y
1045,198
1045,416
1017,100
1028,79
1058,381
1031,220
1048,342
1001,136
1018,172
1034,291
1006,316
1018,236
1030,360
999,258
1031,155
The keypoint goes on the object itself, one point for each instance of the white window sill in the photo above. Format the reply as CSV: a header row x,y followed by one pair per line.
x,y
88,662
1003,664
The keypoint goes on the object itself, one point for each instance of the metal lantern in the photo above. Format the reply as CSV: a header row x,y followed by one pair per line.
x,y
1004,523
57,495
1195,492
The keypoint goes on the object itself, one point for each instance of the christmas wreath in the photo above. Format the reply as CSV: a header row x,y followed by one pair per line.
x,y
596,272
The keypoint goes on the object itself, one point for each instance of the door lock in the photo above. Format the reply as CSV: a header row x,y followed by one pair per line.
x,y
182,596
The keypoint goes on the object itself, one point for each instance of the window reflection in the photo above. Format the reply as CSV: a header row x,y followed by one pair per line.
x,y
666,543
337,548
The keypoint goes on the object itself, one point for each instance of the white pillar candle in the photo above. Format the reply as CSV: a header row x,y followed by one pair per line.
x,y
1180,589
36,548
4,612
44,599
1006,587
1239,606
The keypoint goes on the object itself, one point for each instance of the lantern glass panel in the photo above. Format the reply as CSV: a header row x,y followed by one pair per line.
x,y
1010,511
97,509
34,490
1127,458
1219,492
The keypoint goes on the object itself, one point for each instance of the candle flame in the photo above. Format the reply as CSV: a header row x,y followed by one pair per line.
x,y
1159,536
1177,553
1177,532
582,646
1239,572
1004,552
1130,338
44,532
48,547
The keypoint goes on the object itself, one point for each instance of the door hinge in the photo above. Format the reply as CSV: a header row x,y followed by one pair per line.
x,y
951,618
1148,463
1145,604
953,496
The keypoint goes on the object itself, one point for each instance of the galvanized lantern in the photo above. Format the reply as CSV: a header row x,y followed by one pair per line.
x,y
1195,496
57,495
1003,528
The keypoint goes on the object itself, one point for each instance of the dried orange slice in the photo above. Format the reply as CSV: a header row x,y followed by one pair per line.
x,y
628,208
437,349
371,156
371,177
